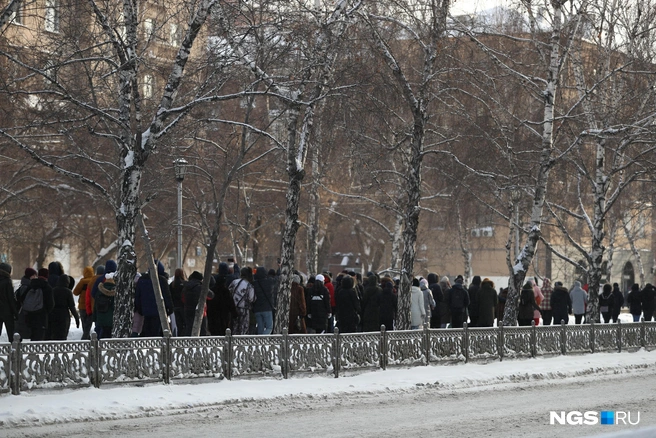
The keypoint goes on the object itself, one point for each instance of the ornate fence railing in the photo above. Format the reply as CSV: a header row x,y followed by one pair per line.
x,y
36,365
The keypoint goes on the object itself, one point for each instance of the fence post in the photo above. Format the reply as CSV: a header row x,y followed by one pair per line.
x,y
227,355
643,334
285,353
501,341
426,343
15,359
382,348
563,337
592,337
534,339
619,335
336,353
465,341
94,352
166,357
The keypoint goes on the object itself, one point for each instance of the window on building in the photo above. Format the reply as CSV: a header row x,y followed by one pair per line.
x,y
149,27
148,83
52,16
17,17
174,34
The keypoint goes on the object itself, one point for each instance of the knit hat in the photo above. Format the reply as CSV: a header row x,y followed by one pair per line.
x,y
43,272
296,279
320,278
5,267
423,283
459,279
29,272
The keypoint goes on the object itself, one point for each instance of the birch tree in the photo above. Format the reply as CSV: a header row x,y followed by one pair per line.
x,y
96,92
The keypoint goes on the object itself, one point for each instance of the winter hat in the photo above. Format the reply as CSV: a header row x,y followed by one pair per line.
x,y
272,272
347,282
5,267
320,278
423,283
415,282
100,270
558,284
43,272
459,279
528,286
29,272
196,276
432,278
296,279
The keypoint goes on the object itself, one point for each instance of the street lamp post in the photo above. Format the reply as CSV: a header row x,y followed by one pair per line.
x,y
180,167
515,197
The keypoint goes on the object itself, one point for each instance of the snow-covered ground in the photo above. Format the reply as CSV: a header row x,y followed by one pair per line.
x,y
509,398
543,384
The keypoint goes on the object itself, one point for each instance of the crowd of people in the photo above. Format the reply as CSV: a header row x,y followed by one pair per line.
x,y
245,301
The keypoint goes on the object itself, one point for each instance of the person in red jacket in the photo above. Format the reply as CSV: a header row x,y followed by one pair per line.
x,y
331,291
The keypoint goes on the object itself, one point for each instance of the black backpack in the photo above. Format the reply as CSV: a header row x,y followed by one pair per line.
x,y
103,303
33,301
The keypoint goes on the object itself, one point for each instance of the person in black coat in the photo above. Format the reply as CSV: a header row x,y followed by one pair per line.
x,y
527,305
473,290
59,320
648,295
317,301
606,302
221,309
348,306
371,305
388,304
37,321
438,296
561,303
263,306
190,297
8,304
635,302
146,304
618,302
458,299
176,288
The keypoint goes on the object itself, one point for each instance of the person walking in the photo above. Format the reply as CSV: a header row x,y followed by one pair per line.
x,y
648,295
606,302
297,307
458,301
445,311
317,301
417,308
176,288
80,291
38,302
579,302
537,292
103,306
635,302
388,304
8,304
487,303
438,298
146,304
429,302
547,313
60,316
561,303
243,295
348,306
221,309
527,305
263,307
472,308
618,302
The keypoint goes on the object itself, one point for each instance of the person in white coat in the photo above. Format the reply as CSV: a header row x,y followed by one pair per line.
x,y
417,309
579,302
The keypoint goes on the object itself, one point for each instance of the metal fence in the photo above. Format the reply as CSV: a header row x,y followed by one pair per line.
x,y
36,365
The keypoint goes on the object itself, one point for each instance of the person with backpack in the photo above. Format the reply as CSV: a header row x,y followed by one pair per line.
x,y
21,325
8,304
243,295
60,317
458,302
317,300
37,304
103,310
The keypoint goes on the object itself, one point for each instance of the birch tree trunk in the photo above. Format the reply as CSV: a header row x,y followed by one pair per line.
x,y
313,216
523,260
